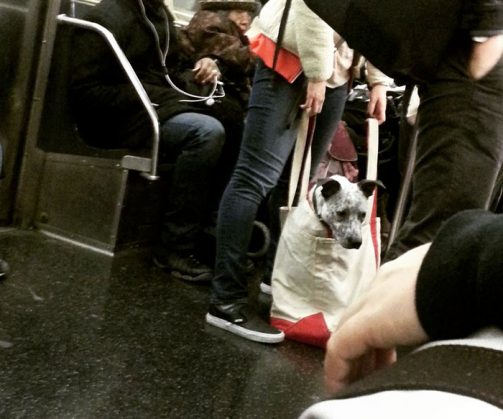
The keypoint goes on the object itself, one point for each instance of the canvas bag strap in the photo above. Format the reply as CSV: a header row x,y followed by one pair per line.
x,y
372,163
281,32
372,148
301,160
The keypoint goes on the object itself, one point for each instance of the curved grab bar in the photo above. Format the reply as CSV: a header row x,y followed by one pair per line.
x,y
126,65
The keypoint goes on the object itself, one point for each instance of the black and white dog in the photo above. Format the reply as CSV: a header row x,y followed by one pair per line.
x,y
339,208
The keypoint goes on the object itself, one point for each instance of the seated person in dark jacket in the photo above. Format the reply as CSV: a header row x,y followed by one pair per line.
x,y
193,133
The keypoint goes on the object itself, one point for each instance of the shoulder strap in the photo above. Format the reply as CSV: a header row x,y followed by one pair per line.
x,y
281,32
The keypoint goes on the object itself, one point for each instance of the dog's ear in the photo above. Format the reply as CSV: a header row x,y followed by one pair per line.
x,y
329,187
367,186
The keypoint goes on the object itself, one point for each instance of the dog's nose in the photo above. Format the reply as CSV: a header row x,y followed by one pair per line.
x,y
353,244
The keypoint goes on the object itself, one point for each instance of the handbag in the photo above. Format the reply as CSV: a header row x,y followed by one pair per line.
x,y
273,55
287,65
315,279
341,158
406,39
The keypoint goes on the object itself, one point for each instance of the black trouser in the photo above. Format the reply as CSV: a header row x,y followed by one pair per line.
x,y
459,150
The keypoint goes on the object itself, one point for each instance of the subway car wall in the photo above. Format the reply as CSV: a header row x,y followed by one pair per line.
x,y
27,36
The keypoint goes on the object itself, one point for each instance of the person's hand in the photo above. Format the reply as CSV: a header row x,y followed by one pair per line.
x,y
377,103
206,71
385,317
485,55
315,96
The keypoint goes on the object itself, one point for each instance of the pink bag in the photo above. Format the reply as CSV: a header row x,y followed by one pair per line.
x,y
340,158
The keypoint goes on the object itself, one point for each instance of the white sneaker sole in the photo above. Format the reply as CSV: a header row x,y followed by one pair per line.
x,y
244,333
266,289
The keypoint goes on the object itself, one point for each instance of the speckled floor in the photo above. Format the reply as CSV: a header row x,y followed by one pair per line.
x,y
84,335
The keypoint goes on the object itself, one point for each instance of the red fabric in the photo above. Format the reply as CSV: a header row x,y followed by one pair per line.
x,y
342,147
312,329
288,64
350,170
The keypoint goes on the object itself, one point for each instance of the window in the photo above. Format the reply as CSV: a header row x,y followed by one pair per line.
x,y
183,9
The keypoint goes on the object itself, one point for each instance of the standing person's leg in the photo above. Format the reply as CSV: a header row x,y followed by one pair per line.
x,y
326,123
196,140
267,142
459,151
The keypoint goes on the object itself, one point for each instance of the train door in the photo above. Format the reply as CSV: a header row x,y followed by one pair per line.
x,y
20,27
52,181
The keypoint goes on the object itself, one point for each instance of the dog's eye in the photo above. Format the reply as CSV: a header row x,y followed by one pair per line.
x,y
362,215
342,214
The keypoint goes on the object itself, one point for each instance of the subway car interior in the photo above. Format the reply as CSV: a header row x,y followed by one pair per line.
x,y
89,327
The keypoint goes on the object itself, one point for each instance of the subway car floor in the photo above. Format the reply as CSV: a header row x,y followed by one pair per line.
x,y
84,335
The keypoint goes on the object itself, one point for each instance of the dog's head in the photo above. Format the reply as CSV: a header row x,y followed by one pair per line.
x,y
342,206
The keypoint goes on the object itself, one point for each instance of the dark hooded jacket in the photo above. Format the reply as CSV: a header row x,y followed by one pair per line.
x,y
107,109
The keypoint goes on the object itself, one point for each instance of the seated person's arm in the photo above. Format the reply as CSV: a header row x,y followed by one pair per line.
x,y
456,290
459,287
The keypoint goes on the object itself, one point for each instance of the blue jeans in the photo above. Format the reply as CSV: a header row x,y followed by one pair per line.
x,y
193,142
268,140
459,150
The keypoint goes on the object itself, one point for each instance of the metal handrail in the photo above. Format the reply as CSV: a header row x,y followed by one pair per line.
x,y
126,65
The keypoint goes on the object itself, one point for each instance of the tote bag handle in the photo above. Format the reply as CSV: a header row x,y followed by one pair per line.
x,y
301,160
372,147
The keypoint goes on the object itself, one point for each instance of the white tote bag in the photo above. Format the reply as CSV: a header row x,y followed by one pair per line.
x,y
314,278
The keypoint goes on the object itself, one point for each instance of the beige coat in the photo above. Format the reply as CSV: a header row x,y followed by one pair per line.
x,y
306,35
342,65
313,41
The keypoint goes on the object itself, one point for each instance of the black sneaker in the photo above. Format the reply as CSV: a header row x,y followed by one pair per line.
x,y
240,319
4,269
184,266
